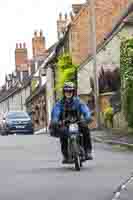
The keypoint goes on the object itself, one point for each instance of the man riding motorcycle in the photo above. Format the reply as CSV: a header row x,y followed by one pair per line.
x,y
70,106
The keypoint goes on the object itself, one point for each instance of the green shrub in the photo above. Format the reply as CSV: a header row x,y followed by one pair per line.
x,y
108,113
108,116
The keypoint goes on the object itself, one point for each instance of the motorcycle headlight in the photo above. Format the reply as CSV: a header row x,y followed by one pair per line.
x,y
73,128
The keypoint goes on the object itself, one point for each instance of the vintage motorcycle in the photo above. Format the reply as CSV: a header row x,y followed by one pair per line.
x,y
76,154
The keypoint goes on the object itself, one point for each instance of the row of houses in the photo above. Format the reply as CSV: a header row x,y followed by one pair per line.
x,y
33,87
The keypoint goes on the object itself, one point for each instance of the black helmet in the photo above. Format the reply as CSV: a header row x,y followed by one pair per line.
x,y
68,86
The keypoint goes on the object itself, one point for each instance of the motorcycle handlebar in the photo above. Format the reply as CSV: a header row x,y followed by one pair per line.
x,y
76,121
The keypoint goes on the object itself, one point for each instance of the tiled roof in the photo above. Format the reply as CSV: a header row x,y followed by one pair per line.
x,y
9,92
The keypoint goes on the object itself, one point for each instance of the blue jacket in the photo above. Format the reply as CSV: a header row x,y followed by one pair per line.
x,y
76,104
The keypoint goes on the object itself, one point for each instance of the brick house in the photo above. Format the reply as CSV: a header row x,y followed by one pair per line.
x,y
108,61
74,33
108,51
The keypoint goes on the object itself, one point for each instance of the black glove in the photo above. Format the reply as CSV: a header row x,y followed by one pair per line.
x,y
53,129
83,123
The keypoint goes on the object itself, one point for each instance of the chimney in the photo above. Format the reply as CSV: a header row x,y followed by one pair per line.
x,y
6,82
38,44
36,66
71,16
41,33
35,33
29,70
24,45
61,25
87,1
76,8
13,77
16,45
21,56
21,76
65,16
60,16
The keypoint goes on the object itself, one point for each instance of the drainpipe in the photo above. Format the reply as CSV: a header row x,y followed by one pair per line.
x,y
46,114
54,77
95,70
21,102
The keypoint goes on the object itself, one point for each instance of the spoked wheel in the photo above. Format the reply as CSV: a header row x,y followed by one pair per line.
x,y
77,163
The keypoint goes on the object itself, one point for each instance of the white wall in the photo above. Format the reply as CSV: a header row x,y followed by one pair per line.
x,y
49,91
16,101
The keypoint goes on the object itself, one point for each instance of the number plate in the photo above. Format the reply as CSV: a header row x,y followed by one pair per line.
x,y
19,126
73,128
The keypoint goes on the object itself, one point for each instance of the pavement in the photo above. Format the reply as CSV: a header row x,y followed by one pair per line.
x,y
40,131
113,137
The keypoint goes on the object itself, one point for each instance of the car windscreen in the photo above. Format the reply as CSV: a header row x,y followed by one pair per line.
x,y
17,115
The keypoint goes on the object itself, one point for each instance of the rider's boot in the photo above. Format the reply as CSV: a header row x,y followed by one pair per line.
x,y
64,160
88,155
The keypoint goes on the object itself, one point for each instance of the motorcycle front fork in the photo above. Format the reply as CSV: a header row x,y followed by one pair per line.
x,y
75,146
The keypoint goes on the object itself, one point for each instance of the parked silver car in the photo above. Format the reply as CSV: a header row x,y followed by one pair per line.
x,y
17,122
1,121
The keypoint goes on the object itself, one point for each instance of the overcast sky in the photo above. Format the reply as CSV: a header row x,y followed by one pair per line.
x,y
19,19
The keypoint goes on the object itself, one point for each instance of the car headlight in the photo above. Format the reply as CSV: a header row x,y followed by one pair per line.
x,y
29,123
8,123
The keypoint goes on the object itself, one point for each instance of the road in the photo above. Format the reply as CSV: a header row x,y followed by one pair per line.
x,y
31,169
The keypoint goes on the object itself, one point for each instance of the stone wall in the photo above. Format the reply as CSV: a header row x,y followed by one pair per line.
x,y
119,121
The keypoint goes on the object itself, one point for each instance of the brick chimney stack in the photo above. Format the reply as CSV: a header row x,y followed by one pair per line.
x,y
76,8
62,23
71,16
38,44
21,57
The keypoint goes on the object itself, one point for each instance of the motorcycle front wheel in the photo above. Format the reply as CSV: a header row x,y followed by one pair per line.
x,y
77,163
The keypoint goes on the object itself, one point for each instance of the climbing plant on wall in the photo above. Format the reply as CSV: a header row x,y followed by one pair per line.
x,y
66,71
126,63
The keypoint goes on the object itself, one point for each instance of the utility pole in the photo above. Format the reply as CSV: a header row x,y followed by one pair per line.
x,y
95,71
